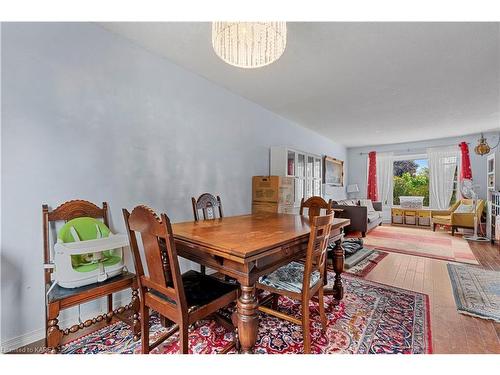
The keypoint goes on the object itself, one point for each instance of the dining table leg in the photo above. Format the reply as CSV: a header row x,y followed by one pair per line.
x,y
248,320
338,268
337,290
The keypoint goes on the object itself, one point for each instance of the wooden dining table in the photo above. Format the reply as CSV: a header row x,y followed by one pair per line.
x,y
249,246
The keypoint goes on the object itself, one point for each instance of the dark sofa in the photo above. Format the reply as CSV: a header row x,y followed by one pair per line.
x,y
361,220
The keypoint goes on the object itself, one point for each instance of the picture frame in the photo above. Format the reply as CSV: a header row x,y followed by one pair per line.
x,y
333,171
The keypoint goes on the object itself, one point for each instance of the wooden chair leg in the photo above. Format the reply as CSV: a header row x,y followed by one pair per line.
x,y
136,324
452,230
164,322
54,334
433,227
183,338
234,320
274,302
325,270
110,307
144,328
321,302
305,327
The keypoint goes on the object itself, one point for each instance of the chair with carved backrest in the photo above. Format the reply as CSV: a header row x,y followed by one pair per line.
x,y
208,205
301,281
58,298
314,205
183,299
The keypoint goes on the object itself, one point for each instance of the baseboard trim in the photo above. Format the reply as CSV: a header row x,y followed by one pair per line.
x,y
20,341
39,334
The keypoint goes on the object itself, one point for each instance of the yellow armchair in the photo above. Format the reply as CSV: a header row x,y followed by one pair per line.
x,y
457,219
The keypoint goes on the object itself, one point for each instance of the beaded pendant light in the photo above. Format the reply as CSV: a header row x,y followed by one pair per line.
x,y
249,44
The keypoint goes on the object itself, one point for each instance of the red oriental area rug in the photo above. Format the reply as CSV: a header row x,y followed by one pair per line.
x,y
420,242
372,318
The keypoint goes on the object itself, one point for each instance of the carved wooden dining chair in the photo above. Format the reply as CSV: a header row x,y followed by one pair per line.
x,y
314,205
301,281
208,205
58,298
183,299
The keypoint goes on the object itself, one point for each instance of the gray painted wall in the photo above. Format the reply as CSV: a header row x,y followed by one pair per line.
x,y
357,163
87,114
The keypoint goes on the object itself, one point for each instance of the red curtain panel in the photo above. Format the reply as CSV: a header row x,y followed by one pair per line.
x,y
372,176
465,173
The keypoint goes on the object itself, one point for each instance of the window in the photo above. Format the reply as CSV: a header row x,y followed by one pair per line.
x,y
455,187
411,178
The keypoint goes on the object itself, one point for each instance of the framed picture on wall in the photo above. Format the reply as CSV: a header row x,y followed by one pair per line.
x,y
333,171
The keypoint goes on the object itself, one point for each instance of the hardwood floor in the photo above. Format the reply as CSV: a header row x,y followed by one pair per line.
x,y
451,332
486,254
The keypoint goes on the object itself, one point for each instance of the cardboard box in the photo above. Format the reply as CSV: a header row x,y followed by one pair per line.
x,y
260,207
274,189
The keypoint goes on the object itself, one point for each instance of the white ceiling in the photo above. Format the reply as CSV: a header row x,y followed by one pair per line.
x,y
357,83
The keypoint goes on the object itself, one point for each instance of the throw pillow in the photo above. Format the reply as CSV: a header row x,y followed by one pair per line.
x,y
465,209
368,204
349,202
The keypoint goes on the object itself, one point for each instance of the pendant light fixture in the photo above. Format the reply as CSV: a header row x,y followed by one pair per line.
x,y
482,147
249,44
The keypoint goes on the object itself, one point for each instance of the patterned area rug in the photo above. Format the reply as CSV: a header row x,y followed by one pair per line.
x,y
372,318
476,291
421,242
364,267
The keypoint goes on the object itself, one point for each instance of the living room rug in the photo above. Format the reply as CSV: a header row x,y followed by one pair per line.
x,y
364,267
421,242
372,318
476,291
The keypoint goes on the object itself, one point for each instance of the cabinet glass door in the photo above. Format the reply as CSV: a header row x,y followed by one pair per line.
x,y
317,187
310,166
309,189
291,163
317,168
301,165
299,189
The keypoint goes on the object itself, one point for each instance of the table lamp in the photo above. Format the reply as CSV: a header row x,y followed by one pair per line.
x,y
354,188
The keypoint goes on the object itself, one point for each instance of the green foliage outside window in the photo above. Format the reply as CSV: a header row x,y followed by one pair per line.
x,y
412,185
410,180
402,166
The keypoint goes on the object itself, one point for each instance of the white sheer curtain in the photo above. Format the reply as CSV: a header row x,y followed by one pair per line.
x,y
442,166
385,173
